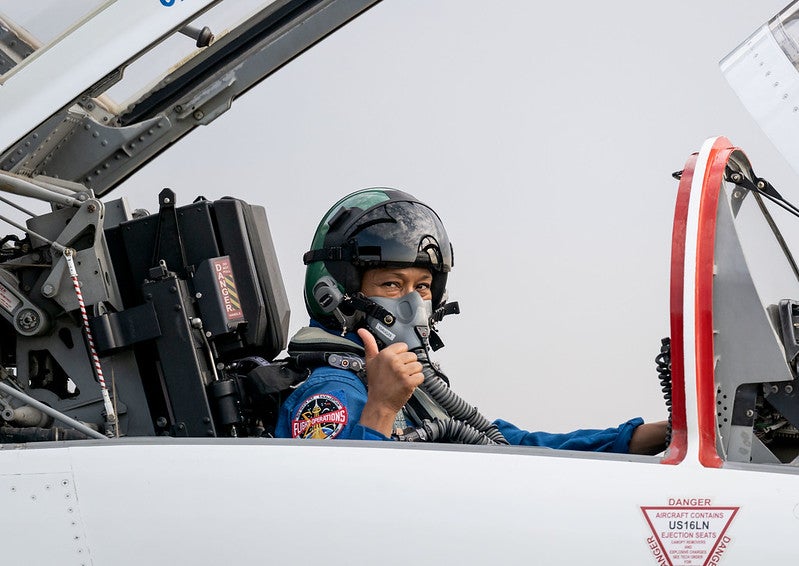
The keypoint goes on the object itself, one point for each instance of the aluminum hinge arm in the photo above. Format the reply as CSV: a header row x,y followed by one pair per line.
x,y
18,185
96,273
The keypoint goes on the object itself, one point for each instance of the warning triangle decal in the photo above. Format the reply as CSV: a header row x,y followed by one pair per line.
x,y
688,536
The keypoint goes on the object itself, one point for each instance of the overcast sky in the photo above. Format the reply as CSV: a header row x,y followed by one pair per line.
x,y
544,134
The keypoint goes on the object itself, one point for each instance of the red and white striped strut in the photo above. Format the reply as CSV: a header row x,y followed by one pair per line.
x,y
98,370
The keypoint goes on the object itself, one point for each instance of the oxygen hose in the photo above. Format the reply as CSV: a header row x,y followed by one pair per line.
x,y
453,404
449,430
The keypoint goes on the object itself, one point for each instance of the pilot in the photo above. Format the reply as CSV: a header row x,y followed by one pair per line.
x,y
382,245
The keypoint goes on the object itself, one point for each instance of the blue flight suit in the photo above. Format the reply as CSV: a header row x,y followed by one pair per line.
x,y
329,404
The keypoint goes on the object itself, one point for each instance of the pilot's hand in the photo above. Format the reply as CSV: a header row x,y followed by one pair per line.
x,y
649,438
392,374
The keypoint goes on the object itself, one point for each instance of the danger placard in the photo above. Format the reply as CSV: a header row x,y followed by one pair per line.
x,y
223,272
689,532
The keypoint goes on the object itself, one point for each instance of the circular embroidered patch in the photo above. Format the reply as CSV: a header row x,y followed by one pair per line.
x,y
319,416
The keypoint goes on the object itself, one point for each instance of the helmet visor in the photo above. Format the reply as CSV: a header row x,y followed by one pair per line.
x,y
403,234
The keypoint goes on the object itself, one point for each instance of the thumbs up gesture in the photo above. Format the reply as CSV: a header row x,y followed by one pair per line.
x,y
392,374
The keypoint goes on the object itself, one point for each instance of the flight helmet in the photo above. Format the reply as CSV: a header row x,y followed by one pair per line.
x,y
370,228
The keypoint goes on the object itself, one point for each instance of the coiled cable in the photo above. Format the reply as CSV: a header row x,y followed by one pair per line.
x,y
663,363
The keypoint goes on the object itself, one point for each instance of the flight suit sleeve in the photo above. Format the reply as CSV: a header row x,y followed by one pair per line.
x,y
327,405
588,440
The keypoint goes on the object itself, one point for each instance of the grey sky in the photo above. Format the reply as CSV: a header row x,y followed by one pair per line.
x,y
545,134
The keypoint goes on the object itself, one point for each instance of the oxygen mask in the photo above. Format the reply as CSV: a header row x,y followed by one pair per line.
x,y
406,319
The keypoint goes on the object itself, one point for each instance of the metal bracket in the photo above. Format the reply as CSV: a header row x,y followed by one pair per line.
x,y
98,282
96,151
112,331
26,318
169,243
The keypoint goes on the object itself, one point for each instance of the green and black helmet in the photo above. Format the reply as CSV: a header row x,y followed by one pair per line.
x,y
376,227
